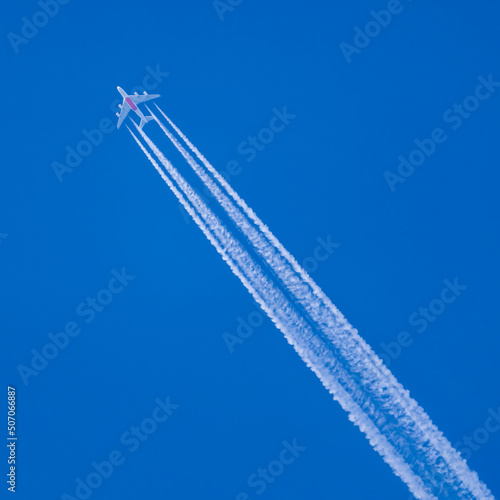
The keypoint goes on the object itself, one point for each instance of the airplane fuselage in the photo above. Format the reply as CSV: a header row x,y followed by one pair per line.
x,y
131,104
129,101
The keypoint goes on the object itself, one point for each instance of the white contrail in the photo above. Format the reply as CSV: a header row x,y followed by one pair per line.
x,y
444,460
311,349
195,214
336,373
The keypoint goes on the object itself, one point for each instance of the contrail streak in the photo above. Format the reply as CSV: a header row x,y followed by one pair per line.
x,y
433,457
394,424
298,334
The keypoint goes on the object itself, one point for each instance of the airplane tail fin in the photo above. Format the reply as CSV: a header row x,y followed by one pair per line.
x,y
145,120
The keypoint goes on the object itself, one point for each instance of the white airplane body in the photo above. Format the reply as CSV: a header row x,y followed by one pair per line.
x,y
130,102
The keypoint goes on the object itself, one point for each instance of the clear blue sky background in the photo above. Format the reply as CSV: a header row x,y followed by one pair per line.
x,y
322,176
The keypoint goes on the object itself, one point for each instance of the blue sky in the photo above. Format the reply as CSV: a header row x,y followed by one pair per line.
x,y
322,178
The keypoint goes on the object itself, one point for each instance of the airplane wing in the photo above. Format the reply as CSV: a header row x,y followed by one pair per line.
x,y
123,113
138,99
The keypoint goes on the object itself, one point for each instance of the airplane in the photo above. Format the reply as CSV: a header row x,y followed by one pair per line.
x,y
130,103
